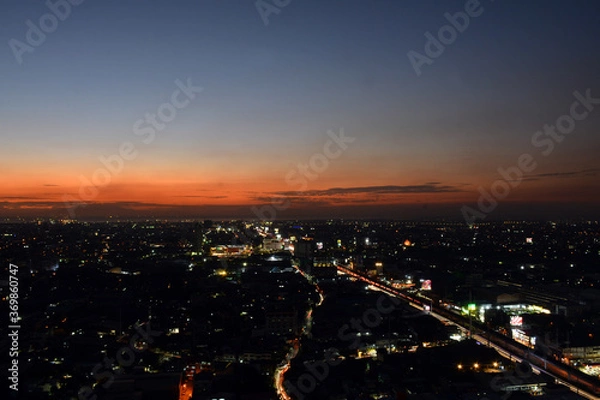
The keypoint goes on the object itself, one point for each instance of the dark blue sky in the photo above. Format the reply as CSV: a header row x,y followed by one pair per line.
x,y
272,92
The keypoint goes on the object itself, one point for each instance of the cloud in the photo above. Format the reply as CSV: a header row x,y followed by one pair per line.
x,y
17,205
203,197
344,196
569,174
5,198
431,187
295,200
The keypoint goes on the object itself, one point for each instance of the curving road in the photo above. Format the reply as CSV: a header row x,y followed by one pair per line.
x,y
282,369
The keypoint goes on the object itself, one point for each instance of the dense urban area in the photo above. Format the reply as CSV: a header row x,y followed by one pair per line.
x,y
334,309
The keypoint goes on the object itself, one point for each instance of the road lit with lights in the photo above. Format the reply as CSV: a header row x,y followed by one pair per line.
x,y
558,372
282,369
186,384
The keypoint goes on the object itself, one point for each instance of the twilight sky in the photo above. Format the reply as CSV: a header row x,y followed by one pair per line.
x,y
319,111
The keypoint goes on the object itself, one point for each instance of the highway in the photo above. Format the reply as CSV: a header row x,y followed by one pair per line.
x,y
582,385
535,369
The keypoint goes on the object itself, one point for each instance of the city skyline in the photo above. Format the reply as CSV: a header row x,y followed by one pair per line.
x,y
308,110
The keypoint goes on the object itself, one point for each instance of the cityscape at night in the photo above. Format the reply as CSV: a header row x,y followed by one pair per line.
x,y
300,199
305,309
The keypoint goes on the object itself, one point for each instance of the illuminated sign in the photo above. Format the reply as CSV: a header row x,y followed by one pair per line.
x,y
516,320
